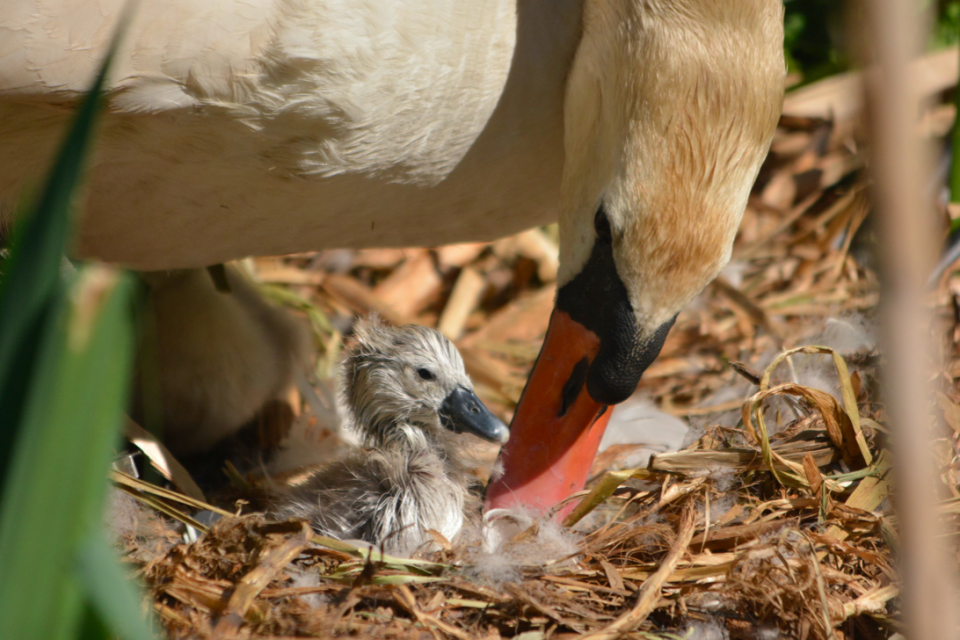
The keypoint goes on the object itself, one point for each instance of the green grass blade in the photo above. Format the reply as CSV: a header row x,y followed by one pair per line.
x,y
33,277
92,626
65,356
100,573
54,493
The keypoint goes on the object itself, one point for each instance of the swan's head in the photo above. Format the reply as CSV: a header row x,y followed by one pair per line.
x,y
414,376
669,112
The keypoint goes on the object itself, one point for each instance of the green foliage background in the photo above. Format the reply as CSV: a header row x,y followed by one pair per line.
x,y
813,34
812,40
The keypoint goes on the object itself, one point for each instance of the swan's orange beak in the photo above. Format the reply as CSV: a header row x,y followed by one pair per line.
x,y
557,427
593,356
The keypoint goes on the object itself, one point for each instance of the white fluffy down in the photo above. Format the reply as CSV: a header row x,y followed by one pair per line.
x,y
501,558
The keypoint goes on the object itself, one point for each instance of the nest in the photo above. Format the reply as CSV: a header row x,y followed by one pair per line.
x,y
775,522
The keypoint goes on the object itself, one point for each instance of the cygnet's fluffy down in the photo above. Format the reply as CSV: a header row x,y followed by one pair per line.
x,y
408,396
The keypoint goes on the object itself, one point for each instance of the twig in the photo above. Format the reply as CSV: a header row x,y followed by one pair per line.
x,y
650,591
257,580
551,613
162,460
821,589
405,599
463,300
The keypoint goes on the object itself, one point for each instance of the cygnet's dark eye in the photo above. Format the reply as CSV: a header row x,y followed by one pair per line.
x,y
425,374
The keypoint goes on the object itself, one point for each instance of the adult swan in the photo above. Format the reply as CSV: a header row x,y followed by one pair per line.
x,y
241,127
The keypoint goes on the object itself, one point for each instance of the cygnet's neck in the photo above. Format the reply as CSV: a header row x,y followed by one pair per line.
x,y
404,436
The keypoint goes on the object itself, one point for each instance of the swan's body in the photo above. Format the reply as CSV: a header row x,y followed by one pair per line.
x,y
407,394
270,126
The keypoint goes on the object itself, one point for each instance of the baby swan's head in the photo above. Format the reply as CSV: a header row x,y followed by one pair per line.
x,y
412,376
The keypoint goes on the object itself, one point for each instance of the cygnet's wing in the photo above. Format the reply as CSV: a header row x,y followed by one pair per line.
x,y
385,497
340,500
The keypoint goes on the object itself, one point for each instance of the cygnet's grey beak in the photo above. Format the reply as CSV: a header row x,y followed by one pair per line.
x,y
463,411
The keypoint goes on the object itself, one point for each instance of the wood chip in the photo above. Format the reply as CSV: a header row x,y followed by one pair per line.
x,y
410,287
650,591
257,580
459,255
463,300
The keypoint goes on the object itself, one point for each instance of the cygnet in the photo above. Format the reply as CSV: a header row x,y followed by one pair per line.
x,y
408,396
